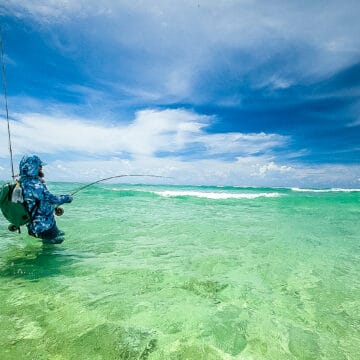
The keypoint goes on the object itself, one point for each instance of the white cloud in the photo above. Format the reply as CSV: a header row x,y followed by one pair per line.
x,y
97,151
133,147
271,166
53,10
173,44
276,82
151,131
242,143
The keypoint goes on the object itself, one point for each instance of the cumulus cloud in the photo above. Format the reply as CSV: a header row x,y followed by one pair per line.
x,y
133,148
271,166
152,143
151,132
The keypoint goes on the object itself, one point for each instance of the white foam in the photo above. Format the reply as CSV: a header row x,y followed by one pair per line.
x,y
325,190
214,195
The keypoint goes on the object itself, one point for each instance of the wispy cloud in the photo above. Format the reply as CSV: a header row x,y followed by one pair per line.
x,y
47,11
178,44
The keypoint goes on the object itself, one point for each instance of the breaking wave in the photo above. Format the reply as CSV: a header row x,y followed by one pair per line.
x,y
215,195
198,194
325,190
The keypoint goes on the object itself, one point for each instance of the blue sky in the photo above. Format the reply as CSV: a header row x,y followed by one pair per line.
x,y
208,92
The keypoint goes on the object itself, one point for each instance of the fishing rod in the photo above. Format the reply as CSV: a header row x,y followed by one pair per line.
x,y
115,177
6,105
60,211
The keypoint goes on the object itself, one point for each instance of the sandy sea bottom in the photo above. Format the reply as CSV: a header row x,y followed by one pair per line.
x,y
156,272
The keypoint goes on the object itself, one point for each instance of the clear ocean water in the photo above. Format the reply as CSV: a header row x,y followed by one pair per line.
x,y
172,272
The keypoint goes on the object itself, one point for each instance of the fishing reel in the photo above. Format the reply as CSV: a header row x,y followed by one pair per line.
x,y
13,228
59,211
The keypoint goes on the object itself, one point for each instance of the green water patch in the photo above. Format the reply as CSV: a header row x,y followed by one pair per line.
x,y
112,342
227,330
304,344
204,288
189,350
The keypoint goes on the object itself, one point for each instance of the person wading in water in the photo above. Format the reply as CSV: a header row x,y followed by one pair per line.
x,y
39,202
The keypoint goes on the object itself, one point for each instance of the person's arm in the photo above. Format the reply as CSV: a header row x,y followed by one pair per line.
x,y
56,199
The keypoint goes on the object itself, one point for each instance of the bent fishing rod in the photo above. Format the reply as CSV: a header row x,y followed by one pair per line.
x,y
60,211
115,177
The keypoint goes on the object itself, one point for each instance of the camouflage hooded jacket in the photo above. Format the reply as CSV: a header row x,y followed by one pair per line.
x,y
38,200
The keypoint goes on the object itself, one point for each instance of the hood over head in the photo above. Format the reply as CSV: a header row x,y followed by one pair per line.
x,y
29,166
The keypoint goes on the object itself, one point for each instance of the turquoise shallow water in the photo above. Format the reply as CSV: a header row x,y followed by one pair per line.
x,y
167,272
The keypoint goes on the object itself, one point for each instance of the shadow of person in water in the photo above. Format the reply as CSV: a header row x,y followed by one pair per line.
x,y
35,261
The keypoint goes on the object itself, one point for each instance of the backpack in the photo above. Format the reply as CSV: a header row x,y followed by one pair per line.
x,y
15,213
